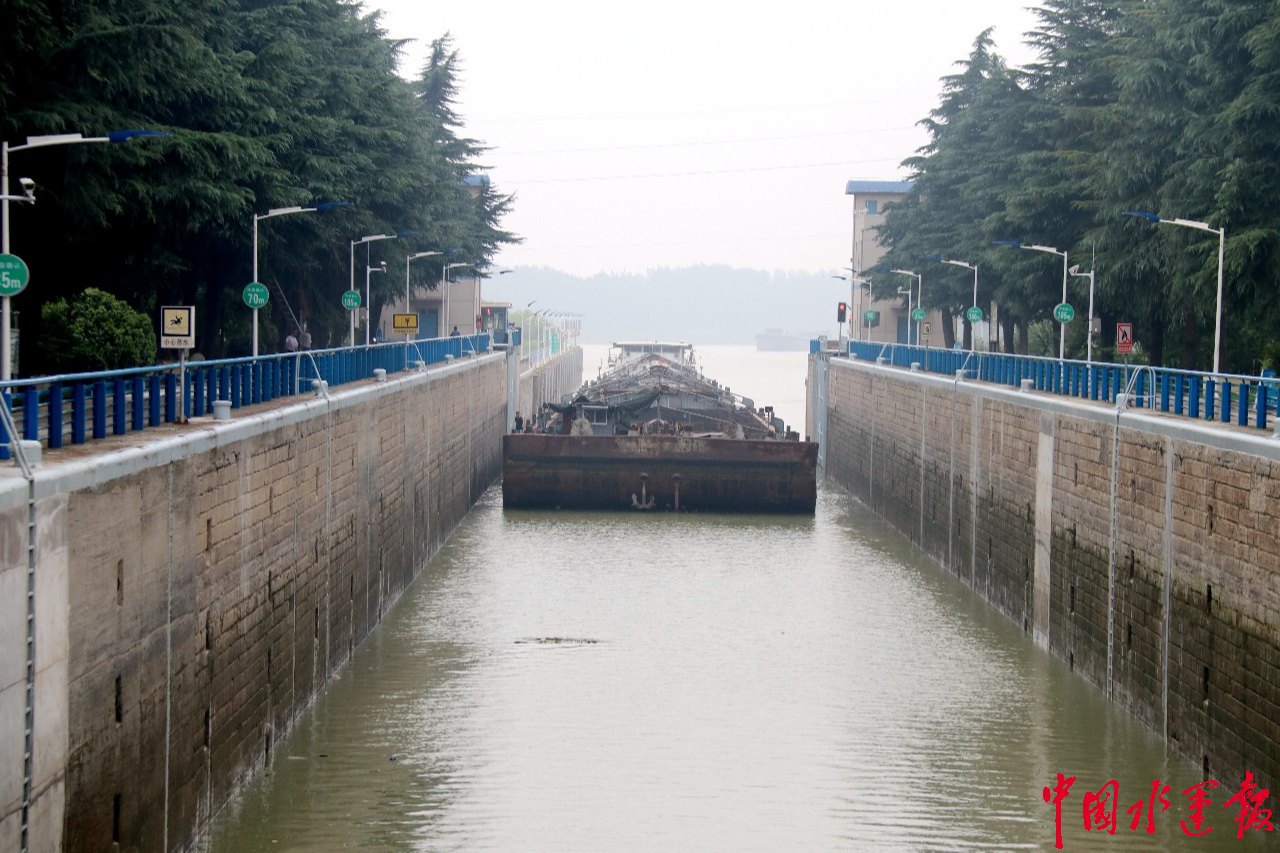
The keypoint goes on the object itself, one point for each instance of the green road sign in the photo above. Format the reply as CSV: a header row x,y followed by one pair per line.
x,y
14,275
255,295
974,314
1064,313
917,314
351,300
869,316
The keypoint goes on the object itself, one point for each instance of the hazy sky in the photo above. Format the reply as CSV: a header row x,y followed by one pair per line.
x,y
639,135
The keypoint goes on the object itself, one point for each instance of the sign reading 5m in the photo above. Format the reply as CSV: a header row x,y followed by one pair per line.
x,y
14,275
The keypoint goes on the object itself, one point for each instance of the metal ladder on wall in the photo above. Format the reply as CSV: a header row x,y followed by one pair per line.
x,y
1128,397
29,717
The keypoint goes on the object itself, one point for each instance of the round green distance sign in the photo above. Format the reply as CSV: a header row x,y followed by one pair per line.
x,y
869,316
917,314
1064,313
974,314
255,295
351,300
14,275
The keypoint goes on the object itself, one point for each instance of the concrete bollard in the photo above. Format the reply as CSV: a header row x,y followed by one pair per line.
x,y
319,386
419,365
448,359
880,361
960,374
222,410
915,367
31,451
379,374
1028,385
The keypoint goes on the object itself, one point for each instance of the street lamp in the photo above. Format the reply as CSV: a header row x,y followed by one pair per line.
x,y
280,211
919,302
371,238
1062,337
973,324
1089,339
445,279
1222,250
6,372
407,259
368,271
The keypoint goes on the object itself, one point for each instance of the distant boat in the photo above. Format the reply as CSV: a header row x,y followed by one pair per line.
x,y
776,340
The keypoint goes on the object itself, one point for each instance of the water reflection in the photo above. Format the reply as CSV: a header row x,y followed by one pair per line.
x,y
756,683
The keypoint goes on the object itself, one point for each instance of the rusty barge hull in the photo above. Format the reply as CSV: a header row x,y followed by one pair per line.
x,y
658,472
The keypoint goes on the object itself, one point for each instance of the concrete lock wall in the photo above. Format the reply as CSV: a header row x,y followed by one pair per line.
x,y
1139,549
549,381
194,593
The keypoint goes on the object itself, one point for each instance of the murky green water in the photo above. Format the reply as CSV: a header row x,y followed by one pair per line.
x,y
713,683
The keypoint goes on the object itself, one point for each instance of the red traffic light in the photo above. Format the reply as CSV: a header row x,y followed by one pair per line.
x,y
842,311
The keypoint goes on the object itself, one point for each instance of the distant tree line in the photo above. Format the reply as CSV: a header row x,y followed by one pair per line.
x,y
269,104
1165,106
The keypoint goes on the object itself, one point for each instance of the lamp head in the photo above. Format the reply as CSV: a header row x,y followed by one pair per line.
x,y
1142,214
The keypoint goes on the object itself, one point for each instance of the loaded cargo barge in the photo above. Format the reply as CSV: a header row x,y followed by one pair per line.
x,y
652,433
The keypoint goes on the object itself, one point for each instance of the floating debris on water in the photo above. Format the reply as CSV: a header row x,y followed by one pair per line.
x,y
572,641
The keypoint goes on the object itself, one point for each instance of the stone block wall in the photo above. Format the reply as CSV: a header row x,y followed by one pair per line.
x,y
1139,549
196,591
549,381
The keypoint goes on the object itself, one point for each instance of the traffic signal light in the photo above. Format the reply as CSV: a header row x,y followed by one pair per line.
x,y
841,312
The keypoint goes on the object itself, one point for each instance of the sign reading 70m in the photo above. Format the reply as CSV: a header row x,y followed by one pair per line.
x,y
14,275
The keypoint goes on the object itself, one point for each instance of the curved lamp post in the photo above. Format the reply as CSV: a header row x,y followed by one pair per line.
x,y
972,323
1062,338
280,211
6,371
407,259
1222,251
920,291
371,238
1075,271
368,272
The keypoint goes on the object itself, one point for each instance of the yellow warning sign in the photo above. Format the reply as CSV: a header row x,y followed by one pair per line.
x,y
177,326
404,324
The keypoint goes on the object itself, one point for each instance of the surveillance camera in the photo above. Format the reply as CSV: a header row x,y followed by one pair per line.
x,y
28,187
384,266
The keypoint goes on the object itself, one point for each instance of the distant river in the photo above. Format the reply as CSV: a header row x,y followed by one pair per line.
x,y
615,681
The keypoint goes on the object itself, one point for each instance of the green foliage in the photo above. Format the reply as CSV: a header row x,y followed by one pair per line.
x,y
95,331
269,105
1167,106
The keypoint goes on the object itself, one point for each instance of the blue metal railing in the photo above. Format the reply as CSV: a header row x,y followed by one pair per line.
x,y
78,407
1252,401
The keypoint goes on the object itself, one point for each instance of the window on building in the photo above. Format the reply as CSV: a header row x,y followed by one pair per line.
x,y
872,206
